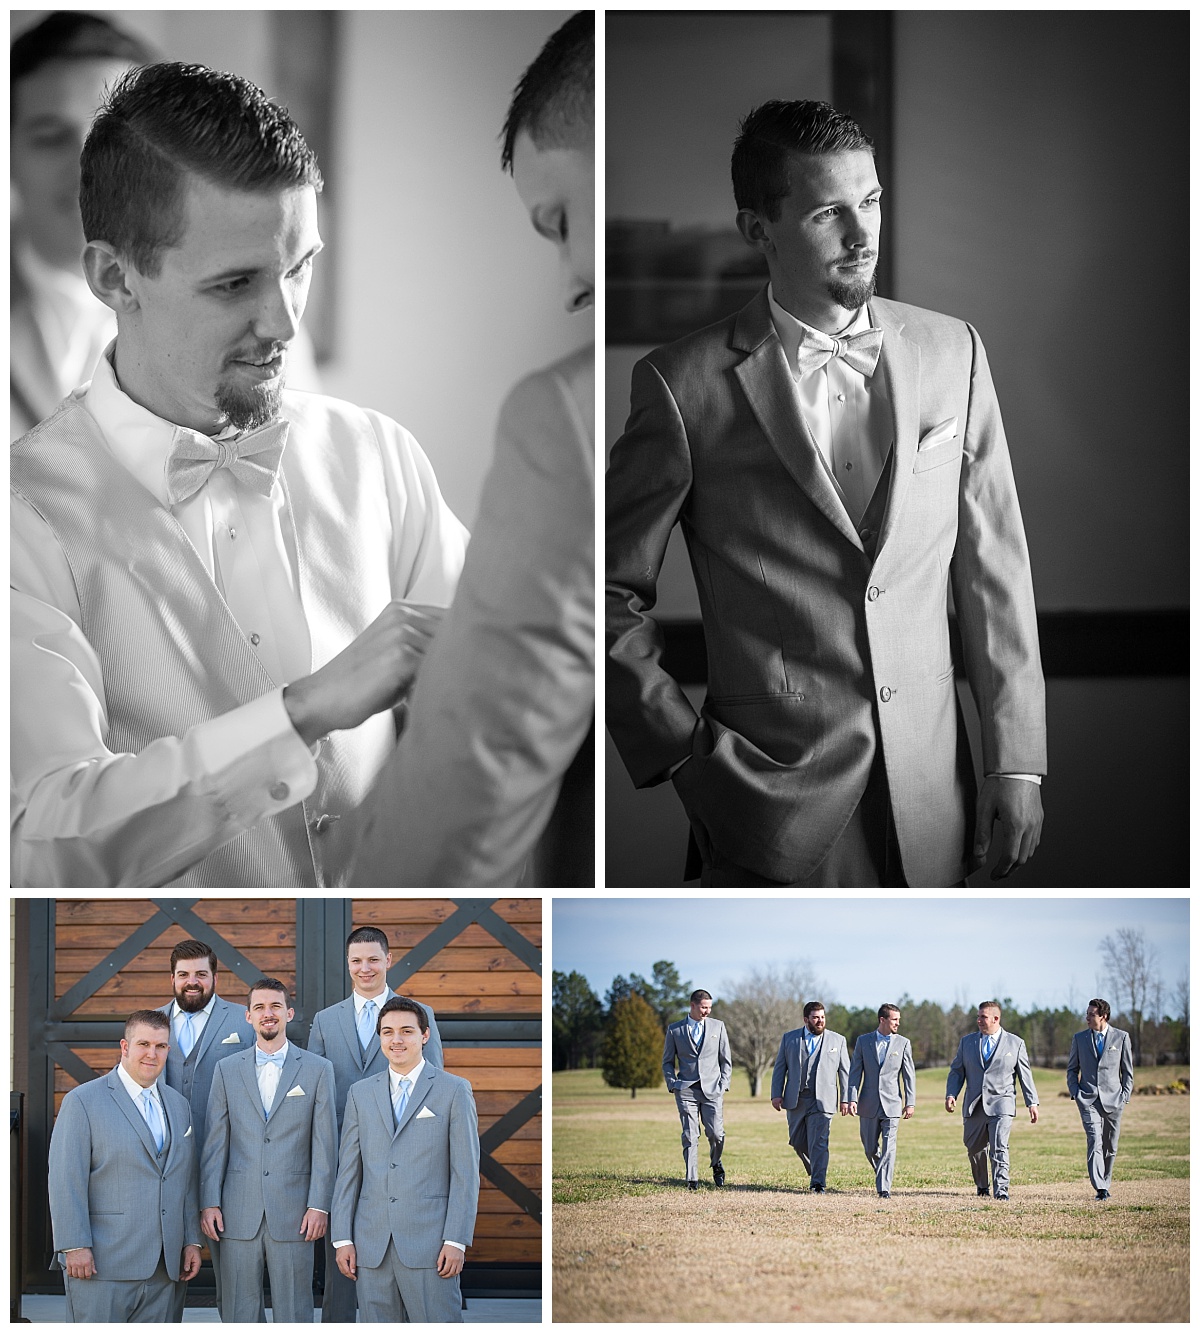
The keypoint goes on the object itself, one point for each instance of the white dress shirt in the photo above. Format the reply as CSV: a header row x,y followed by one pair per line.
x,y
268,1075
199,1020
135,1090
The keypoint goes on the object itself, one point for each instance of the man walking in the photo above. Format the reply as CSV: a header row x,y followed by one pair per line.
x,y
883,1089
990,1063
1100,1079
810,1082
698,1068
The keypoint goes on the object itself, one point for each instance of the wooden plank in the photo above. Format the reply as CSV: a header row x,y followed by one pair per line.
x,y
518,1224
134,911
513,1150
518,910
131,910
243,935
527,1251
492,1055
432,982
157,961
521,1080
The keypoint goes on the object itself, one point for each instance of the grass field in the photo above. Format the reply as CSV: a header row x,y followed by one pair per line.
x,y
630,1243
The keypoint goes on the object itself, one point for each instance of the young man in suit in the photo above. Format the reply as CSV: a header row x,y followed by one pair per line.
x,y
408,1180
204,1029
698,1068
269,1162
1100,1080
838,465
123,1200
990,1062
347,1034
882,1089
810,1082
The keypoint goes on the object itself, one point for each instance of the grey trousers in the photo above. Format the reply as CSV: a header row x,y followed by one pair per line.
x,y
695,1109
341,1295
986,1136
97,1300
214,1250
290,1264
392,1294
1103,1129
808,1133
878,1134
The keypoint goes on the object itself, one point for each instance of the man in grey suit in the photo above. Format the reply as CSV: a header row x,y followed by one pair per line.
x,y
990,1063
811,1067
270,1158
204,1029
408,1180
698,1067
122,1187
347,1035
1100,1079
883,1089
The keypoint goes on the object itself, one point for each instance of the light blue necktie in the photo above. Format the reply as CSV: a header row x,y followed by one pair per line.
x,y
401,1100
366,1024
187,1035
154,1119
696,1029
881,1049
810,1042
987,1049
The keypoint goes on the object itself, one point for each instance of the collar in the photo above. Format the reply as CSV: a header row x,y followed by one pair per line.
x,y
883,1036
1099,1032
791,330
378,1000
412,1076
177,1012
995,1036
135,1089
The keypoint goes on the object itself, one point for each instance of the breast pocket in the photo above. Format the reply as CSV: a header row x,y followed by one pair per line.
x,y
926,459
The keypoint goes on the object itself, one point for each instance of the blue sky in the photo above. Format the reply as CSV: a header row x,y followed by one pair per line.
x,y
865,951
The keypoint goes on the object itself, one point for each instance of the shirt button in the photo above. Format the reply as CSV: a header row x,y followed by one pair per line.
x,y
279,791
841,397
872,594
255,639
849,467
233,534
885,694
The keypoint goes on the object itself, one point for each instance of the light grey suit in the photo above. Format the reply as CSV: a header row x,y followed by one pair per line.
x,y
264,1172
193,1078
1101,1089
700,1084
809,1089
990,1102
875,1088
402,1190
112,1191
334,1035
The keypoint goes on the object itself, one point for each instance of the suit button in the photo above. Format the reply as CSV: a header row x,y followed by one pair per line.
x,y
885,694
266,1173
866,534
872,594
391,1201
279,791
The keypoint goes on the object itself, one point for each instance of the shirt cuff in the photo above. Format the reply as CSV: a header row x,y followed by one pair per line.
x,y
1024,777
341,1244
455,1245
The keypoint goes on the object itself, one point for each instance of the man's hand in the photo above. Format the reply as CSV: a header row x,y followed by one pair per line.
x,y
211,1222
1033,1114
190,1264
314,1224
347,1262
1017,806
450,1261
908,1112
371,674
843,1108
80,1263
853,1108
777,1103
950,1103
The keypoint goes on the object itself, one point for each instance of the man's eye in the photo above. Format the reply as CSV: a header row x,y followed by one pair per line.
x,y
302,267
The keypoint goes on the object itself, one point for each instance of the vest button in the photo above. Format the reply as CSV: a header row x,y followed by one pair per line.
x,y
872,594
256,639
885,694
279,791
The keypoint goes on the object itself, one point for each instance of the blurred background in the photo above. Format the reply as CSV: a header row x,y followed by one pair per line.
x,y
1035,169
434,295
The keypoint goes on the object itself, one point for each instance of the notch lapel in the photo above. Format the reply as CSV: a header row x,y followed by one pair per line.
x,y
250,1076
346,1017
133,1115
417,1097
216,1019
900,371
287,1079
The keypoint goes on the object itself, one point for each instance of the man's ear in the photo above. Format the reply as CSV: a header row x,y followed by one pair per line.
x,y
108,276
753,232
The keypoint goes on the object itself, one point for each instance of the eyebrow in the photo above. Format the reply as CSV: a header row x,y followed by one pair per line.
x,y
837,203
230,273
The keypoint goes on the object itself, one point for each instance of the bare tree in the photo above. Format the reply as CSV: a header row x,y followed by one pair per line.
x,y
760,1009
1130,964
1183,999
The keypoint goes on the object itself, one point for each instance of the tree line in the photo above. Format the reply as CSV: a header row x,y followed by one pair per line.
x,y
623,1033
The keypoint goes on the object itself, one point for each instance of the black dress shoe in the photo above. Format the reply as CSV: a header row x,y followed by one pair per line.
x,y
1001,1198
982,1191
883,1194
1101,1195
718,1174
693,1184
818,1189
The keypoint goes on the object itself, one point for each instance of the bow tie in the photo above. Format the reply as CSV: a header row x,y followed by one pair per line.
x,y
262,1058
253,458
860,351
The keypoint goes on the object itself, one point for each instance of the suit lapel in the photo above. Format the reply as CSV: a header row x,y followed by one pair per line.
x,y
132,1114
768,386
287,1076
417,1096
216,1020
346,1016
250,1076
177,1128
900,372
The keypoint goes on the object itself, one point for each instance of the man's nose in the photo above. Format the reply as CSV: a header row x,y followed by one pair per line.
x,y
577,291
277,320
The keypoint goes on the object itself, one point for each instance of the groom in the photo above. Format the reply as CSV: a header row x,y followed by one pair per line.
x,y
697,1066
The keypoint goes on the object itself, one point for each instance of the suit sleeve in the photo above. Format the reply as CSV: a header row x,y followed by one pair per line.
x,y
844,1072
908,1072
668,1063
1127,1068
957,1075
69,1170
856,1072
433,1047
993,590
316,1038
1073,1068
349,1176
779,1076
647,486
216,1142
324,1142
192,1235
464,1167
725,1059
1025,1077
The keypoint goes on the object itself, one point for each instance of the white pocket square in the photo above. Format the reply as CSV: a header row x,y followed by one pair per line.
x,y
942,433
189,1130
423,1113
297,1091
232,1040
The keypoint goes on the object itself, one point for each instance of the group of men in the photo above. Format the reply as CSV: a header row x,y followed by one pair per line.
x,y
816,1077
214,1128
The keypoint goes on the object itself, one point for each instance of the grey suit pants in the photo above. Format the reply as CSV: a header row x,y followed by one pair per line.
x,y
1103,1129
695,1109
808,1133
393,1294
341,1295
878,1134
986,1136
96,1300
290,1264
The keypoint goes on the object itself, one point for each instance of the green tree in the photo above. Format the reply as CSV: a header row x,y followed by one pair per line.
x,y
632,1053
578,1021
665,993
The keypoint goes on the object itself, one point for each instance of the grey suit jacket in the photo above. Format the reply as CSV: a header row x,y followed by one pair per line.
x,y
832,1072
995,1086
875,1087
1111,1081
279,1165
107,1191
821,637
193,1076
416,1183
711,1066
335,1036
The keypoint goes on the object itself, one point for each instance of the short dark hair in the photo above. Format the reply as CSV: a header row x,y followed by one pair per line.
x,y
812,1006
1101,1007
161,122
71,35
887,1009
555,100
153,1018
269,983
771,133
368,935
402,1002
193,949
991,1004
698,995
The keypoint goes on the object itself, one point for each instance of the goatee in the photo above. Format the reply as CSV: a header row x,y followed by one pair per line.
x,y
853,293
247,409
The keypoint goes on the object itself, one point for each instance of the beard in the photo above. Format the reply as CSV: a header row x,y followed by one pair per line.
x,y
853,293
250,407
192,1004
